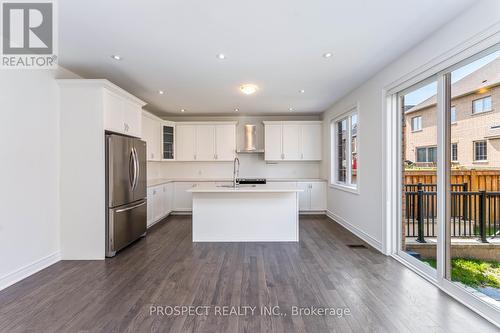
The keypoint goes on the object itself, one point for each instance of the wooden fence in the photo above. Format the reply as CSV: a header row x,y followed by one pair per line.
x,y
465,207
476,180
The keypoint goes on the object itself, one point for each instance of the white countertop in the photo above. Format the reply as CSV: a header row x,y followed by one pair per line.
x,y
242,189
160,181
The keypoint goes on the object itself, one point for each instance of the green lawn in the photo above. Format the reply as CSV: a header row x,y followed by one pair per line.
x,y
472,272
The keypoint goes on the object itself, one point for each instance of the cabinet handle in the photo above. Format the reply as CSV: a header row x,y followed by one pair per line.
x,y
301,156
194,157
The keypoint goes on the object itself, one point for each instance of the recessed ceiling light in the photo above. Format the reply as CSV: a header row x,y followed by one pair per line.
x,y
183,110
290,109
248,89
327,54
221,56
302,91
116,57
236,110
161,92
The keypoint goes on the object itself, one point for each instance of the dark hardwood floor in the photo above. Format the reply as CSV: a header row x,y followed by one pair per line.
x,y
167,269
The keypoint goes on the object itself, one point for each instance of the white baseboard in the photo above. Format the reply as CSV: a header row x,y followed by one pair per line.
x,y
30,269
312,212
355,230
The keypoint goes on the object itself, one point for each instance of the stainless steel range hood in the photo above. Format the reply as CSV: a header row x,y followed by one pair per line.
x,y
250,140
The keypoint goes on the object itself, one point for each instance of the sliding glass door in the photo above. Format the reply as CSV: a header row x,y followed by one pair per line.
x,y
473,237
418,227
448,184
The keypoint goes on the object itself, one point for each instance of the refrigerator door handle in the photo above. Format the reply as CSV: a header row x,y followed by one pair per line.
x,y
136,168
130,208
131,163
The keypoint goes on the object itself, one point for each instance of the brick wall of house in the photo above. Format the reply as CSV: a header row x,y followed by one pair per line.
x,y
467,129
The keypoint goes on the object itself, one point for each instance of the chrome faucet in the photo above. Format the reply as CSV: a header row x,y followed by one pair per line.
x,y
236,172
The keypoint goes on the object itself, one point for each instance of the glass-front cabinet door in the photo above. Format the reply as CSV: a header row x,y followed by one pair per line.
x,y
168,137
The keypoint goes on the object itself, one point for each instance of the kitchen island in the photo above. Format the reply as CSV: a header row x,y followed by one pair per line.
x,y
245,214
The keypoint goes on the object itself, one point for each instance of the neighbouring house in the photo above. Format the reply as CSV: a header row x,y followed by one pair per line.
x,y
475,118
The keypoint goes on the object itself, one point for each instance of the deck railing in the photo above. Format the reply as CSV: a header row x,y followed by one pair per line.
x,y
473,214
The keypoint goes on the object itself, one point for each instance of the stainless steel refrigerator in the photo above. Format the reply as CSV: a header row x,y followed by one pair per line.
x,y
126,193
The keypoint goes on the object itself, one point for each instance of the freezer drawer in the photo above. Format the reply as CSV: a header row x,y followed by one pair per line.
x,y
125,224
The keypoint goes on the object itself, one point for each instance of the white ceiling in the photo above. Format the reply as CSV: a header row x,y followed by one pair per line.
x,y
278,45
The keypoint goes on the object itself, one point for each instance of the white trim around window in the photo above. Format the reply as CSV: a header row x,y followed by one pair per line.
x,y
416,124
351,156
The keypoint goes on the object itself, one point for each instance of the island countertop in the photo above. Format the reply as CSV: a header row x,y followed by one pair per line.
x,y
242,189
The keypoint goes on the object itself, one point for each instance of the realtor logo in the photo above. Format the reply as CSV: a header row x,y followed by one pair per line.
x,y
28,35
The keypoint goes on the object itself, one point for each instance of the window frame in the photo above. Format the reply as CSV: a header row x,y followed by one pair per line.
x,y
474,157
427,148
483,110
334,182
453,111
454,144
413,130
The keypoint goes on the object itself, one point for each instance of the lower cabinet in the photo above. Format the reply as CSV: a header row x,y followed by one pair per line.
x,y
313,197
174,196
160,202
183,200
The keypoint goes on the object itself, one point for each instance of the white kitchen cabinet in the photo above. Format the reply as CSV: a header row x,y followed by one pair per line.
x,y
318,196
121,115
183,200
151,133
225,142
311,142
168,189
205,143
272,142
160,202
185,142
167,141
293,140
150,218
313,198
304,196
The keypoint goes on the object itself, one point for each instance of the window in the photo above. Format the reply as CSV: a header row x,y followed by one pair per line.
x,y
453,113
427,154
345,142
416,124
454,152
480,151
481,105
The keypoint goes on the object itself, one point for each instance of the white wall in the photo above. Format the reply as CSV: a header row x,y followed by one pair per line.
x,y
252,165
29,199
364,213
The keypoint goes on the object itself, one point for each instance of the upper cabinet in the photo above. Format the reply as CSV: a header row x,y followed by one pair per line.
x,y
185,142
293,140
205,141
225,142
151,133
159,136
122,114
311,141
168,135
